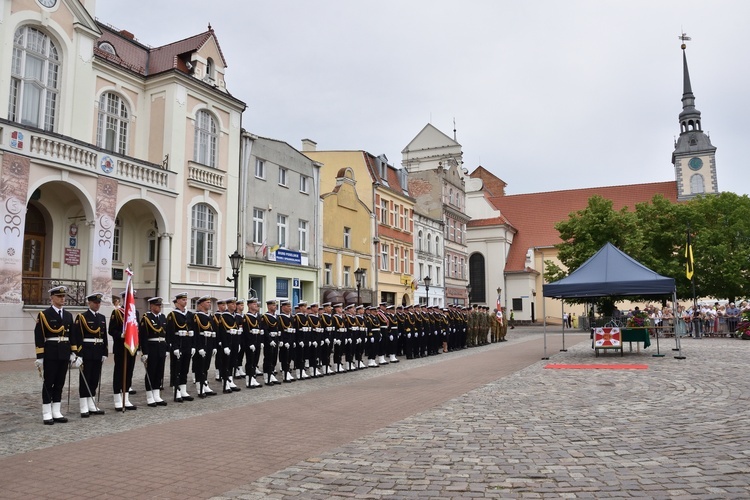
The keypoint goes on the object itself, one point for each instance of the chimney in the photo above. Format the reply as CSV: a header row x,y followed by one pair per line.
x,y
309,145
127,34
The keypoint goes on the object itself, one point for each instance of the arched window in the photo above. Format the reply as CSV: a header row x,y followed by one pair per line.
x,y
112,127
437,246
420,244
477,278
697,185
210,69
35,79
206,137
429,243
202,240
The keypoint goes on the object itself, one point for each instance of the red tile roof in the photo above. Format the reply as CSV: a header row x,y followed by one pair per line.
x,y
535,214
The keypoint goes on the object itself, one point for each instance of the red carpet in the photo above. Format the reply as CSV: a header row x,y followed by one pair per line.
x,y
597,367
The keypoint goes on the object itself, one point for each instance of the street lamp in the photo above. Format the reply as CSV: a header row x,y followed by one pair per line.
x,y
359,275
235,260
468,292
427,282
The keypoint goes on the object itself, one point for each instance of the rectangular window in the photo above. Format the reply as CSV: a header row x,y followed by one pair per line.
x,y
256,287
437,276
458,232
394,214
327,274
451,230
260,169
347,237
282,176
404,218
518,304
302,230
429,272
395,262
384,211
116,240
405,265
303,184
202,237
384,256
259,217
282,230
282,287
347,276
421,271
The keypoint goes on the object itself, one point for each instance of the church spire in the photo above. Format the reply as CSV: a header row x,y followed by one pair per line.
x,y
690,118
694,156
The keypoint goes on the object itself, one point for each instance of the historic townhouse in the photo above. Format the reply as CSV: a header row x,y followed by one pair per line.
x,y
428,243
436,180
280,219
113,153
390,239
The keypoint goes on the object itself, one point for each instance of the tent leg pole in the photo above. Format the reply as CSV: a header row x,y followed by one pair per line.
x,y
562,316
677,337
544,314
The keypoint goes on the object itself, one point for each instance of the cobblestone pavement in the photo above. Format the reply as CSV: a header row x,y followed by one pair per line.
x,y
676,430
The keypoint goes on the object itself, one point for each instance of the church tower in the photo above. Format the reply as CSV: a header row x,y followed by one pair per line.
x,y
694,157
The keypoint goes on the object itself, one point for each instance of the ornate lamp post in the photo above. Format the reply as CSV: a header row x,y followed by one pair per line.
x,y
235,260
427,282
359,275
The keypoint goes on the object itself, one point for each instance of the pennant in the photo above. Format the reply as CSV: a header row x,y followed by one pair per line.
x,y
130,327
264,247
274,248
690,264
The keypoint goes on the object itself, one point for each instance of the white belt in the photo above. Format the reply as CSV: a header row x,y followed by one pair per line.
x,y
306,328
207,334
157,339
273,334
181,333
255,331
342,330
94,341
234,331
57,339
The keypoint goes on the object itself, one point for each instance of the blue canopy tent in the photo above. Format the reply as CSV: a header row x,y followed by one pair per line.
x,y
609,272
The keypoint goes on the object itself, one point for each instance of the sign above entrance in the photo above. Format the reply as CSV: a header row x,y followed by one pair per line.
x,y
72,256
284,256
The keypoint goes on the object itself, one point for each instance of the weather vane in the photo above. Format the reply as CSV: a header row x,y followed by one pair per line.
x,y
684,39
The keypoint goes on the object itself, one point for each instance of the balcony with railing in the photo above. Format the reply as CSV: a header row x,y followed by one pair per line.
x,y
34,291
204,177
74,155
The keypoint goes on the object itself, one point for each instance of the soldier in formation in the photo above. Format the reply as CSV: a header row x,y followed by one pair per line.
x,y
89,333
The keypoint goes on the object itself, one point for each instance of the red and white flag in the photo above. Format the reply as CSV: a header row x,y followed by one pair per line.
x,y
130,328
499,313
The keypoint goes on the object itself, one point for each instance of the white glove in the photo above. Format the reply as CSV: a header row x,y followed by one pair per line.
x,y
272,343
176,353
328,341
359,341
122,335
192,351
39,363
227,351
390,337
202,352
144,358
252,348
372,340
213,353
315,343
408,335
72,357
286,345
78,362
337,342
302,344
104,358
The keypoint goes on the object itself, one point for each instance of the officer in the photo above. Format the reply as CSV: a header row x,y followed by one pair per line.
x,y
180,338
372,332
221,307
361,337
316,336
352,330
286,344
251,335
340,335
303,339
392,334
271,339
326,339
122,356
239,314
204,343
227,335
90,333
54,353
152,331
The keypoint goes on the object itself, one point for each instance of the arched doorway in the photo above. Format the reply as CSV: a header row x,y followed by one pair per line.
x,y
34,242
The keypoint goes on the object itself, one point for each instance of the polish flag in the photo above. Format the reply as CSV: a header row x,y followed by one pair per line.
x,y
130,328
499,313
